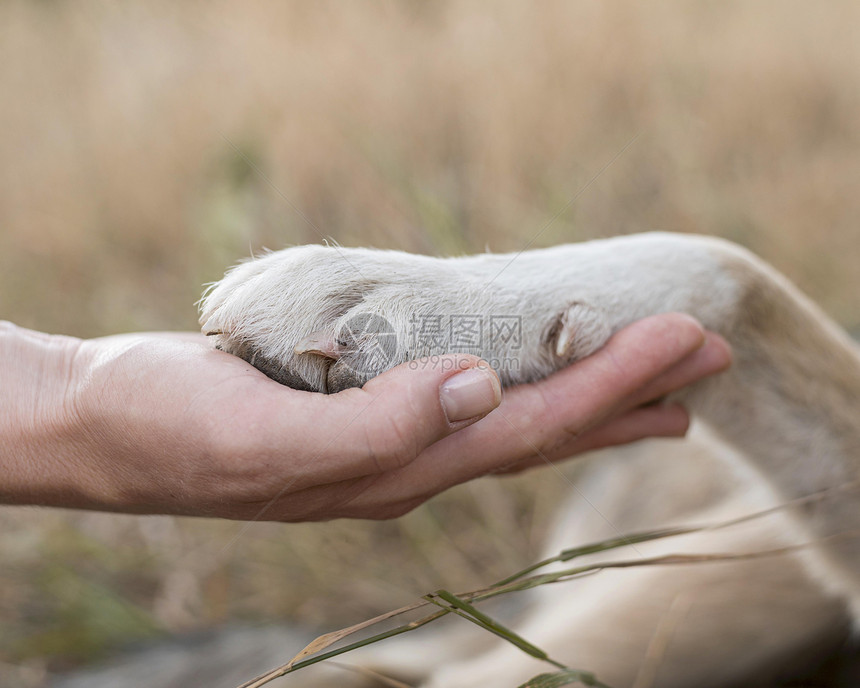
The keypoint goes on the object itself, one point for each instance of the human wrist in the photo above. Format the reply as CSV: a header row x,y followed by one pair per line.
x,y
39,463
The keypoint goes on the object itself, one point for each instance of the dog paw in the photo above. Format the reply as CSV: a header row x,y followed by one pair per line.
x,y
324,319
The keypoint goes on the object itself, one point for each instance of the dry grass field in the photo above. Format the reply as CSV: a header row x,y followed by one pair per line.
x,y
144,146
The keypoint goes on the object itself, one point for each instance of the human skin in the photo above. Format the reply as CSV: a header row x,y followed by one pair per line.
x,y
164,423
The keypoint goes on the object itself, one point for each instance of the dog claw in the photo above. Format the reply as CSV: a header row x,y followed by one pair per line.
x,y
580,331
318,343
210,327
564,341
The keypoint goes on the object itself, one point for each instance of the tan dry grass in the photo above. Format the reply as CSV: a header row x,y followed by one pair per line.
x,y
438,127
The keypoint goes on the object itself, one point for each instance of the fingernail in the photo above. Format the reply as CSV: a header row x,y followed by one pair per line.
x,y
472,393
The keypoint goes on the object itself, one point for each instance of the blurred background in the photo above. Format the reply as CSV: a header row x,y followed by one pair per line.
x,y
144,147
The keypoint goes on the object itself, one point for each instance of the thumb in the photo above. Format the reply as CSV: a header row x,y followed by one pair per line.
x,y
408,408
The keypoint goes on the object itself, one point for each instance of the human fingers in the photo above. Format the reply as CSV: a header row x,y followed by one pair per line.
x,y
713,357
658,420
538,418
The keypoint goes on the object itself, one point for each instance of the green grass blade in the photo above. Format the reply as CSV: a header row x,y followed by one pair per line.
x,y
603,546
470,612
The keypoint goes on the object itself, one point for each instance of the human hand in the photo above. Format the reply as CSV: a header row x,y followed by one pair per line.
x,y
163,423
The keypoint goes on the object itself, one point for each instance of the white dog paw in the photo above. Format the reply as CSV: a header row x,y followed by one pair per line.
x,y
327,318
